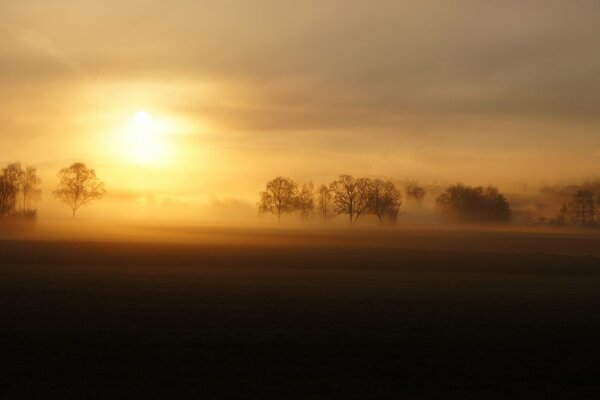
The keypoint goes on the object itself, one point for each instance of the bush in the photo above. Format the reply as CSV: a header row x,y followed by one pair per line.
x,y
474,204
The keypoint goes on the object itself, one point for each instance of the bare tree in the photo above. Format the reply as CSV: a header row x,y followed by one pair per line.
x,y
325,201
384,199
30,191
414,191
19,190
351,196
279,197
8,196
13,173
305,201
78,186
583,207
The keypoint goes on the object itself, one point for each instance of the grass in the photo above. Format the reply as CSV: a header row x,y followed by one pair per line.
x,y
295,320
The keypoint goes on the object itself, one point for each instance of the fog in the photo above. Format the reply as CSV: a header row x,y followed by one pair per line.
x,y
407,91
299,199
501,94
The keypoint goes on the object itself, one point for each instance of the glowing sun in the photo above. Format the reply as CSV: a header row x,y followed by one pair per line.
x,y
146,139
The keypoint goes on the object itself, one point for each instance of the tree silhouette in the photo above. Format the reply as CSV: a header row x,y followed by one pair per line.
x,y
13,173
279,197
19,191
305,201
351,196
414,191
474,204
29,188
583,207
325,201
78,186
8,196
384,199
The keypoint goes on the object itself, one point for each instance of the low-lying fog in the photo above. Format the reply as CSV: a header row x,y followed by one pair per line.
x,y
402,235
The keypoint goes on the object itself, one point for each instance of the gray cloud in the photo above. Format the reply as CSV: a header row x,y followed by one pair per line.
x,y
430,78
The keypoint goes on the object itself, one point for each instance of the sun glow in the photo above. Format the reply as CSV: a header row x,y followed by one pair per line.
x,y
146,139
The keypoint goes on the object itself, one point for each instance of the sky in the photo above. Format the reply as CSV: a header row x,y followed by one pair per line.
x,y
237,92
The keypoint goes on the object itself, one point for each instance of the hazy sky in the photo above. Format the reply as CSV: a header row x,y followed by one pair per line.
x,y
479,92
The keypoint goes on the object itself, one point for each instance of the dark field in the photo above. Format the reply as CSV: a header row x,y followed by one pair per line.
x,y
302,315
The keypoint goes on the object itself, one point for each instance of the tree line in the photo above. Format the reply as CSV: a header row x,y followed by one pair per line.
x,y
356,197
20,189
349,196
583,209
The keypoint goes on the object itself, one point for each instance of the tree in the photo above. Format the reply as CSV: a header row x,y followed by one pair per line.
x,y
8,196
78,186
583,207
496,207
561,217
13,174
474,204
279,197
325,201
414,191
19,189
351,196
29,188
305,201
384,199
10,182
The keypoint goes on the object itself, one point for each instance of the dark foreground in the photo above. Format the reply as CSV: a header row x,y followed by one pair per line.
x,y
97,320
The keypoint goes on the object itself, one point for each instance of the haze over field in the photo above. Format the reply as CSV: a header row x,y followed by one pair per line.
x,y
234,93
340,199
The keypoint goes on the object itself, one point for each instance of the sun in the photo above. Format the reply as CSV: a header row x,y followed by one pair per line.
x,y
142,118
146,140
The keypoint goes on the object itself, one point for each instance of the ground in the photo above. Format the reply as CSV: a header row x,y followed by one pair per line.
x,y
257,313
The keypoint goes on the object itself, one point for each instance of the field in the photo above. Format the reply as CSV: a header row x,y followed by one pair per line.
x,y
300,313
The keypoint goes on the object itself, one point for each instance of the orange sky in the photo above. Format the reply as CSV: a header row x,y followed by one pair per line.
x,y
500,92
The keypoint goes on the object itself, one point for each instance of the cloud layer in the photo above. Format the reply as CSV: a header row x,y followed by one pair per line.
x,y
478,90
